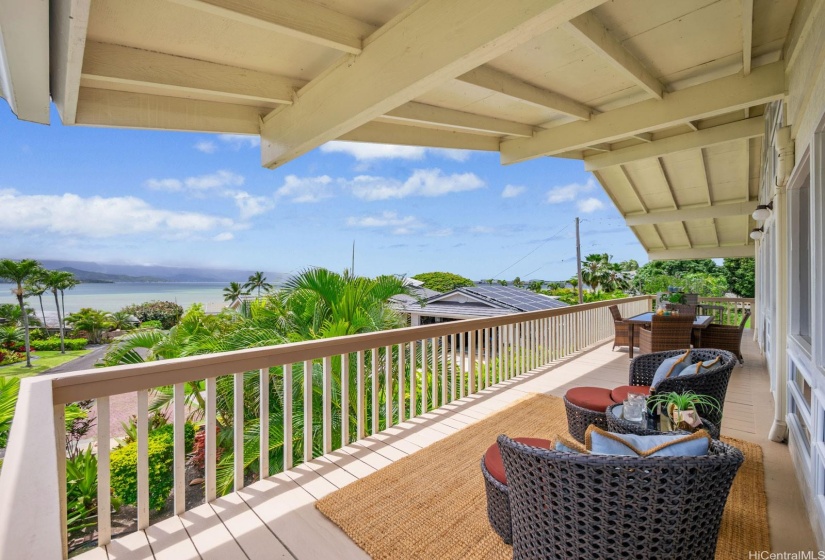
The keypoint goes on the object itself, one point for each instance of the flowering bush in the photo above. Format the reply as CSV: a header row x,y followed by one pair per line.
x,y
167,312
8,356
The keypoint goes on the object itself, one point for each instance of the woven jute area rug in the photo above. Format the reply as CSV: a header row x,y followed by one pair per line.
x,y
432,504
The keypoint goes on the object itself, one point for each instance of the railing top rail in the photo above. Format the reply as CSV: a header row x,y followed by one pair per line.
x,y
100,382
727,299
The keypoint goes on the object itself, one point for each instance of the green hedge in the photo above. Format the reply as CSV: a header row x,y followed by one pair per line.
x,y
161,460
53,344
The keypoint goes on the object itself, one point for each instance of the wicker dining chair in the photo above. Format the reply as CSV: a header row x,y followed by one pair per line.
x,y
682,308
713,382
582,506
666,333
726,337
621,329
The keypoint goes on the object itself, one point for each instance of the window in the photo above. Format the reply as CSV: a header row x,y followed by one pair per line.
x,y
799,408
799,207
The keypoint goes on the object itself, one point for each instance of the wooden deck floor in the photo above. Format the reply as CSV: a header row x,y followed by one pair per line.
x,y
276,517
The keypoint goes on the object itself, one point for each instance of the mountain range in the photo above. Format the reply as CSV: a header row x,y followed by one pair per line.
x,y
106,272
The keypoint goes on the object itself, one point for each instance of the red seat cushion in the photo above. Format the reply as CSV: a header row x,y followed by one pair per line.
x,y
619,394
492,458
591,398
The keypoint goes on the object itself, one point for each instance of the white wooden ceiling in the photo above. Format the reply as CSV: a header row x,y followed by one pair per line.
x,y
661,99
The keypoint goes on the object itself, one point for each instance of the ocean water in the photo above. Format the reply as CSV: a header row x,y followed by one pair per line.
x,y
114,297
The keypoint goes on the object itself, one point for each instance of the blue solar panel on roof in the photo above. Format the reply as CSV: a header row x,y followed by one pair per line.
x,y
515,297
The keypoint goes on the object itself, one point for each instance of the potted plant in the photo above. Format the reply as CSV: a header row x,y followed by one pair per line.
x,y
678,410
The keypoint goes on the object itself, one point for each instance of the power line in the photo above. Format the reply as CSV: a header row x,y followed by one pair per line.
x,y
542,244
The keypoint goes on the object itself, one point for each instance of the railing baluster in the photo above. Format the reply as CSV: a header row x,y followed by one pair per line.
x,y
287,403
444,370
237,429
413,380
452,367
461,366
494,353
388,387
401,381
179,458
326,401
104,497
375,412
434,373
308,418
345,400
142,459
487,335
210,460
360,420
60,449
471,355
424,408
263,432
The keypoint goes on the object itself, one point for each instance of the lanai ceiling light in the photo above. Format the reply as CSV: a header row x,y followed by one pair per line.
x,y
762,213
757,233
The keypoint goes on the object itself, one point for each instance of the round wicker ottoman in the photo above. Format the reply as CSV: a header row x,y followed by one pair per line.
x,y
586,406
495,484
619,425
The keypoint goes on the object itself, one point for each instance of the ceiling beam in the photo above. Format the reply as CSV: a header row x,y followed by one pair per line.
x,y
731,93
633,188
663,173
500,82
24,58
179,76
308,21
661,237
691,125
644,136
709,252
687,235
705,180
689,214
747,186
749,128
68,21
590,31
420,112
385,133
102,107
450,39
747,35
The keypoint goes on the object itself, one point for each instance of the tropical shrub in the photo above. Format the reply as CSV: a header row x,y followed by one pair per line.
x,y
161,459
53,344
8,357
167,312
9,389
443,281
571,296
151,325
90,321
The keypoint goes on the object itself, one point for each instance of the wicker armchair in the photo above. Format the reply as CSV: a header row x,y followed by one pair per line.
x,y
580,506
666,333
713,382
726,337
682,308
622,329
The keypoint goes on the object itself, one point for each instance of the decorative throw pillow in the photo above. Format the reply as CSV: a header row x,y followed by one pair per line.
x,y
568,445
670,367
700,367
601,442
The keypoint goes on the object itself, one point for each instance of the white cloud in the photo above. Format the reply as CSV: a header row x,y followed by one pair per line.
x,y
482,229
216,180
250,205
238,141
363,151
449,153
68,214
590,205
568,193
423,182
224,236
164,184
512,191
305,189
388,220
206,147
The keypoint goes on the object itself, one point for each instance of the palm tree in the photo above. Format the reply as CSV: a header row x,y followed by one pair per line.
x,y
36,287
233,292
121,320
18,272
58,281
503,283
69,282
256,282
91,321
615,278
517,282
535,285
593,270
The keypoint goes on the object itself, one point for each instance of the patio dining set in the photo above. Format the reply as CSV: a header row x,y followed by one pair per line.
x,y
592,495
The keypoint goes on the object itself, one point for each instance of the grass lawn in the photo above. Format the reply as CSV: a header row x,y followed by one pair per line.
x,y
45,360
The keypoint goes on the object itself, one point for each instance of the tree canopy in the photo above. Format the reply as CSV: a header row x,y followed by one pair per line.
x,y
741,276
443,281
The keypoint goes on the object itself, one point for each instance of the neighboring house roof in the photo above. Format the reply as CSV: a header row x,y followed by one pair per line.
x,y
483,301
417,293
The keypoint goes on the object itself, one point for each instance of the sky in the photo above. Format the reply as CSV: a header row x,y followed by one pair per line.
x,y
195,199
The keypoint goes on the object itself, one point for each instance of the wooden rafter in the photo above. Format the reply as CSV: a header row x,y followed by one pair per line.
x,y
661,238
661,167
687,214
68,20
590,31
747,35
687,235
393,70
419,112
747,186
633,188
716,232
703,252
704,164
385,133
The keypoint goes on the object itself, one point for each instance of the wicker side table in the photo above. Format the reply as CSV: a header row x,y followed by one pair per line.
x,y
619,425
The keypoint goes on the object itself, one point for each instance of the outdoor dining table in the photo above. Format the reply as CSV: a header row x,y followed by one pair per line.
x,y
700,323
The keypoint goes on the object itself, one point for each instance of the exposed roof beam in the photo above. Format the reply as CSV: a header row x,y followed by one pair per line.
x,y
500,82
659,234
691,125
183,76
644,136
746,195
305,20
747,35
101,107
666,180
749,128
24,58
688,214
801,26
589,30
687,235
705,179
450,40
716,231
599,148
68,21
633,188
764,84
384,133
709,252
420,112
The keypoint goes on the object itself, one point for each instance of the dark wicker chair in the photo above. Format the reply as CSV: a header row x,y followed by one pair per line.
x,y
578,506
498,505
713,382
622,329
580,418
666,333
726,337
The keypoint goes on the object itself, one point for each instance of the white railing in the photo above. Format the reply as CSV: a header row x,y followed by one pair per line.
x,y
728,311
380,379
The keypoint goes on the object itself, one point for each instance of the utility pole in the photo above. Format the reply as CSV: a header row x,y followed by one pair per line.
x,y
352,268
579,260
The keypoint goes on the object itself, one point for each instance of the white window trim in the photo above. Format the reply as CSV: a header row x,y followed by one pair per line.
x,y
802,172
